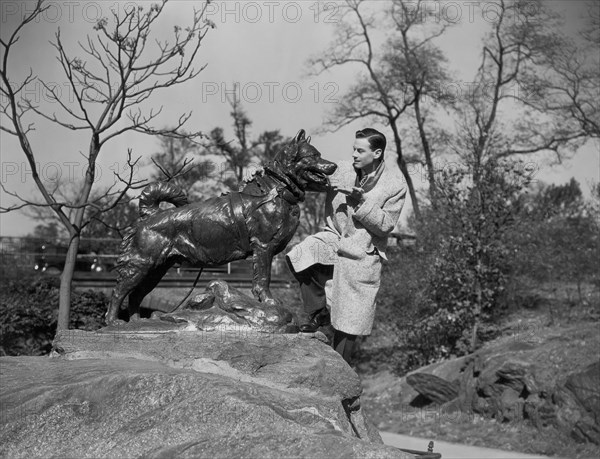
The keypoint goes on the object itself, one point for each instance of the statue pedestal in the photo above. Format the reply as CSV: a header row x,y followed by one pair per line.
x,y
158,392
224,308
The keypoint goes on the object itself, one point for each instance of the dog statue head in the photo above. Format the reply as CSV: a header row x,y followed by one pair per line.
x,y
303,164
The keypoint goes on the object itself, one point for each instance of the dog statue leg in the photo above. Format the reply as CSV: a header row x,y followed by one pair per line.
x,y
135,300
150,281
135,280
261,264
117,298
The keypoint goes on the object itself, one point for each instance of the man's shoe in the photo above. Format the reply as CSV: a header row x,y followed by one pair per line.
x,y
319,319
309,327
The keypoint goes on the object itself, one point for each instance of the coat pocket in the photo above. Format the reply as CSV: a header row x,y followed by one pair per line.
x,y
360,272
370,270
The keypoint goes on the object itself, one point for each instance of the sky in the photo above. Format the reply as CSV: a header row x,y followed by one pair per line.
x,y
258,50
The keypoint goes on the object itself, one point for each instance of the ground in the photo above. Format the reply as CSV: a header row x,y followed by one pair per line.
x,y
574,327
555,310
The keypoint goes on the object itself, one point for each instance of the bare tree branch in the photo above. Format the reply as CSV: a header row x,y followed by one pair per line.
x,y
529,68
397,75
108,86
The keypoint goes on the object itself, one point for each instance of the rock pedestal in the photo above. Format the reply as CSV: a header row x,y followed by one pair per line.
x,y
145,392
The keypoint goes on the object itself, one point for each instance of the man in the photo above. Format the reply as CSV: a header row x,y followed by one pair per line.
x,y
340,268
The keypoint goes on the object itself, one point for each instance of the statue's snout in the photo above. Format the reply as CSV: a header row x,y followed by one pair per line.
x,y
327,167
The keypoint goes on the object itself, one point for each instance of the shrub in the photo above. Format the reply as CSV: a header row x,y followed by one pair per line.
x,y
29,311
468,271
476,255
398,302
439,298
557,237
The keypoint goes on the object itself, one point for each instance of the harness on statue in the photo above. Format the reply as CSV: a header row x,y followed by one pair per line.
x,y
286,190
237,210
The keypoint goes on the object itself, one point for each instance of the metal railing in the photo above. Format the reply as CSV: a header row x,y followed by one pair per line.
x,y
98,256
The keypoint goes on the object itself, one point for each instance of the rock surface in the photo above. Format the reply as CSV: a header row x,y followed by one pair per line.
x,y
433,388
545,381
166,393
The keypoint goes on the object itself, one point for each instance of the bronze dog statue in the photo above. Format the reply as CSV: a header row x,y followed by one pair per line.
x,y
259,220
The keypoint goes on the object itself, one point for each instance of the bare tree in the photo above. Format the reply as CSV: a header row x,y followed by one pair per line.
x,y
237,156
568,86
103,220
176,162
240,153
524,100
418,64
269,143
409,68
112,223
119,73
531,95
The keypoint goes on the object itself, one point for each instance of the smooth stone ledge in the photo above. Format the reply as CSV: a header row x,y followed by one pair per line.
x,y
185,394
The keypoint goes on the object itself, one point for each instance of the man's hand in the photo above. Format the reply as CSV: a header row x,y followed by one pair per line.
x,y
355,193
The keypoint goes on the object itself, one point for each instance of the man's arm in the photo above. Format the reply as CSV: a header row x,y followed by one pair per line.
x,y
381,221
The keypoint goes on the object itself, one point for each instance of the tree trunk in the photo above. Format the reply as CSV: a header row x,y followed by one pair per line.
x,y
411,187
66,280
427,153
477,312
474,335
404,170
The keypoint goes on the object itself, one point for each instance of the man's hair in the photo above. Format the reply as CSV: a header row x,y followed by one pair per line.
x,y
376,139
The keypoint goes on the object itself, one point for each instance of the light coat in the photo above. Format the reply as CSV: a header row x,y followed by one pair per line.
x,y
355,241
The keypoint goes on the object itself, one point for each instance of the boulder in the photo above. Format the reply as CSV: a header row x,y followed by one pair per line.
x,y
547,381
163,392
449,370
432,387
585,400
585,386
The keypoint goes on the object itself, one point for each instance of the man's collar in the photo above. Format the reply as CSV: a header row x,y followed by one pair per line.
x,y
372,178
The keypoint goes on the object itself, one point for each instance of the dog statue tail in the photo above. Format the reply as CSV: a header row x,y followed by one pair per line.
x,y
150,199
158,192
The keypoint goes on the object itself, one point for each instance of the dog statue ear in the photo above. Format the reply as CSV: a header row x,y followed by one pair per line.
x,y
300,136
308,139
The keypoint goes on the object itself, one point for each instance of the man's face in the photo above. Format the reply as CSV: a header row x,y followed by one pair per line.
x,y
363,156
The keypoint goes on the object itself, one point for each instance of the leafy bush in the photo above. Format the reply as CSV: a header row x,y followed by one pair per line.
x,y
475,254
398,302
557,237
29,311
439,298
468,272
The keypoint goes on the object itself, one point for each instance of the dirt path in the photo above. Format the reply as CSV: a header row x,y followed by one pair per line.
x,y
453,450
